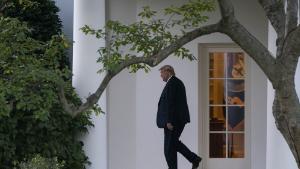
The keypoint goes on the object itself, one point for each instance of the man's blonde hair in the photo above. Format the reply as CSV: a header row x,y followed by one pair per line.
x,y
168,68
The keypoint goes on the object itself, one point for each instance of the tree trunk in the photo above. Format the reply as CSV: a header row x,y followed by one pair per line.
x,y
286,110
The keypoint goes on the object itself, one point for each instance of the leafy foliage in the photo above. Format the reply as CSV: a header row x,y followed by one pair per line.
x,y
39,162
31,118
29,69
41,16
22,136
191,13
148,36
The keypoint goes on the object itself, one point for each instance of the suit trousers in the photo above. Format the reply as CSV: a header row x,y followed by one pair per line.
x,y
172,145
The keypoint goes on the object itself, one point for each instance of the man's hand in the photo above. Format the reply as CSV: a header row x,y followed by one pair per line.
x,y
170,126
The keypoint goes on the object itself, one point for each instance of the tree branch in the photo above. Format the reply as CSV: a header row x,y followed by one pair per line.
x,y
69,108
275,12
152,61
188,37
253,47
291,15
239,34
291,51
93,99
227,10
292,42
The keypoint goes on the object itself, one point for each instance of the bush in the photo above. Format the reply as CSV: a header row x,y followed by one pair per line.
x,y
41,16
31,117
32,63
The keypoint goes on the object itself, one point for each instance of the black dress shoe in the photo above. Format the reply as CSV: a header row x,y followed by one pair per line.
x,y
196,163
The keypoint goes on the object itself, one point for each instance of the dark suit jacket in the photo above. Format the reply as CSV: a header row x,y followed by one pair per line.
x,y
172,105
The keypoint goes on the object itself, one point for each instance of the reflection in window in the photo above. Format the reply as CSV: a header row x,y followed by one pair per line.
x,y
226,104
236,145
217,145
236,118
217,118
216,91
236,93
216,65
235,65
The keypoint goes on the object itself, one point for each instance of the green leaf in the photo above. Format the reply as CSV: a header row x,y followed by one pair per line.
x,y
147,13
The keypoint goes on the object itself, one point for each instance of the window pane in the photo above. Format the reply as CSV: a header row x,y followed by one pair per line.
x,y
236,92
217,118
226,105
217,145
236,146
216,65
235,65
216,92
236,118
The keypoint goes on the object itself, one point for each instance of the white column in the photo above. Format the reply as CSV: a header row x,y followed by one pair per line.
x,y
85,79
121,119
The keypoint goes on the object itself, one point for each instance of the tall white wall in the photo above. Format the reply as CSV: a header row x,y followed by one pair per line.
x,y
278,153
85,79
121,100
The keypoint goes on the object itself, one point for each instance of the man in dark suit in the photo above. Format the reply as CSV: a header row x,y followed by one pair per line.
x,y
172,115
